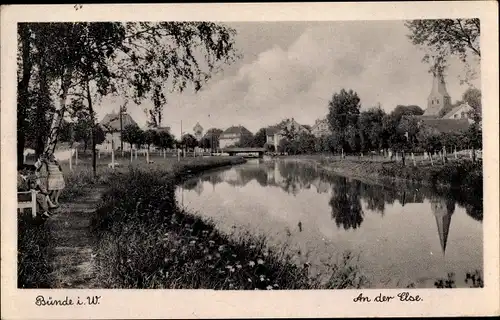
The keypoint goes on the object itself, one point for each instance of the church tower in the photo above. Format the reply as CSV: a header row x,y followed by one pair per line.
x,y
438,98
198,131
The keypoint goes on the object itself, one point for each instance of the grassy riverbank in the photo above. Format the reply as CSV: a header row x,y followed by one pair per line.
x,y
144,240
458,174
35,239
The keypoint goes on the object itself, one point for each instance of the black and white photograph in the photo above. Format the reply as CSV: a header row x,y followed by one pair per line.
x,y
250,155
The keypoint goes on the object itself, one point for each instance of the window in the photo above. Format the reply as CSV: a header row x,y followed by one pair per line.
x,y
437,101
455,116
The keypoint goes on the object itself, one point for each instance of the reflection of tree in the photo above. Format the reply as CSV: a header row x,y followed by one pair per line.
x,y
374,197
295,176
471,201
191,184
292,176
346,204
261,177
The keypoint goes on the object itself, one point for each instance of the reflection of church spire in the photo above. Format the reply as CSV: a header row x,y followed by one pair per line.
x,y
443,212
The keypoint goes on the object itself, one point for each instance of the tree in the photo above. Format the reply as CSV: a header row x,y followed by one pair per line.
x,y
164,140
371,127
150,136
284,145
246,140
132,134
446,37
156,114
343,116
189,141
429,140
306,143
260,138
472,96
213,135
25,67
146,56
411,110
206,143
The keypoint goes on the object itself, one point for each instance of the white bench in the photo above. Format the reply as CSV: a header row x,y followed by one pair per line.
x,y
25,204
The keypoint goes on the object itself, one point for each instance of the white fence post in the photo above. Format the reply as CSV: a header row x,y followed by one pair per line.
x,y
71,159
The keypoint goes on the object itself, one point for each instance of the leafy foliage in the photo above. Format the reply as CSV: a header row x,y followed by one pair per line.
x,y
343,116
87,60
446,37
133,135
189,141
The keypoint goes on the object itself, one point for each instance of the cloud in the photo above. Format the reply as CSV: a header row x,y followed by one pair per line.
x,y
374,58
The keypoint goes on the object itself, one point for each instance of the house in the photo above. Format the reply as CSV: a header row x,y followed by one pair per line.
x,y
233,135
321,128
462,111
112,126
457,119
275,134
212,135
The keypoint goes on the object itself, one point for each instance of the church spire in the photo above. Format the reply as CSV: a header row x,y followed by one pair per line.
x,y
439,85
439,97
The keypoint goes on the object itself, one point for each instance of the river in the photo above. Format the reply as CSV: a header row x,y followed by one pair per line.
x,y
400,235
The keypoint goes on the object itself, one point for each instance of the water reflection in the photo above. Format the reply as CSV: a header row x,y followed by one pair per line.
x,y
443,210
404,232
347,194
346,204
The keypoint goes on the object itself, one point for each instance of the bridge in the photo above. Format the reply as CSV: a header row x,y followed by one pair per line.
x,y
235,151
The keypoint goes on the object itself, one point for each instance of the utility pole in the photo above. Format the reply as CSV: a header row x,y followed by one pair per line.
x,y
121,128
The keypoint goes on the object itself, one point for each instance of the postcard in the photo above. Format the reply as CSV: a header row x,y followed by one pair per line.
x,y
250,160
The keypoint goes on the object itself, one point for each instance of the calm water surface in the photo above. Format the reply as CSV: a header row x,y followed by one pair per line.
x,y
402,236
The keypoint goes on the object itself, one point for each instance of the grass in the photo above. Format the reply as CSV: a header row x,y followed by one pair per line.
x,y
33,243
456,174
144,240
34,240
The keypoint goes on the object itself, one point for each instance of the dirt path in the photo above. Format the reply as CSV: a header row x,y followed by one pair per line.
x,y
71,256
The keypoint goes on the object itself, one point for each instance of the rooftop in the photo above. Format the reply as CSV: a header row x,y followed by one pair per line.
x,y
237,129
446,125
111,121
452,111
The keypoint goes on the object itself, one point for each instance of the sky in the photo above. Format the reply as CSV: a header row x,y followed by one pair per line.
x,y
292,70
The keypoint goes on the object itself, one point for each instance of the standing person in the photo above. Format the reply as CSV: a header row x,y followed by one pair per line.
x,y
56,182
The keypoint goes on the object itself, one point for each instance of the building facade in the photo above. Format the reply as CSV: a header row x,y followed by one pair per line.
x,y
275,134
112,126
232,136
463,111
321,128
